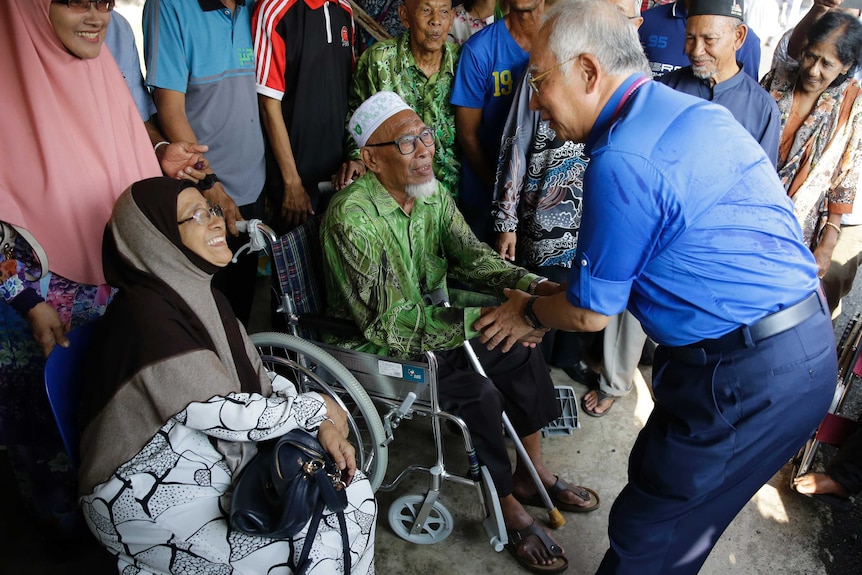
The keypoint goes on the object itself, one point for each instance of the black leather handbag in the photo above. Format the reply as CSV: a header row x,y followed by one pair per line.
x,y
287,484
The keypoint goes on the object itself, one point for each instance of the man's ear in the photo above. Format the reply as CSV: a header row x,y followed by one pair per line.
x,y
589,70
369,160
741,33
402,15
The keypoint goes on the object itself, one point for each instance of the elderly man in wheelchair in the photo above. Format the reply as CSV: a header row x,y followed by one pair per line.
x,y
393,236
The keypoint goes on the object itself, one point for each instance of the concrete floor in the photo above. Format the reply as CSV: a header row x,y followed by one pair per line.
x,y
777,532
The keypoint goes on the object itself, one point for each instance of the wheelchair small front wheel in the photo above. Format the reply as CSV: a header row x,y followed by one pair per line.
x,y
311,368
402,516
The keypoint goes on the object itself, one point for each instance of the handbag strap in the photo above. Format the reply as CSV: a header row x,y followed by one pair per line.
x,y
303,563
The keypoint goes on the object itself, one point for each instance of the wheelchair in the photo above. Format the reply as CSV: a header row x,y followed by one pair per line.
x,y
835,428
400,388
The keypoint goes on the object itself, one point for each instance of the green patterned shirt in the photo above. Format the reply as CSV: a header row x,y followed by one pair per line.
x,y
379,262
390,65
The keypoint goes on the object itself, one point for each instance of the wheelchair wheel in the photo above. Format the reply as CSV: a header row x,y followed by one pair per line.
x,y
313,369
402,516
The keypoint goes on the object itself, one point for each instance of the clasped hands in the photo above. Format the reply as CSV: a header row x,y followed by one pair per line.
x,y
505,324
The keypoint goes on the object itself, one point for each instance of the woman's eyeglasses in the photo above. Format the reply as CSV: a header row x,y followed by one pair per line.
x,y
82,6
407,144
203,216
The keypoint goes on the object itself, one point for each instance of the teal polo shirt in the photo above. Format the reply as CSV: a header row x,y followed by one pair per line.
x,y
204,50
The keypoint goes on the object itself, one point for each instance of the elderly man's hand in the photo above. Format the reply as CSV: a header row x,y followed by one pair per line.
x,y
827,3
183,160
505,324
548,287
349,171
506,242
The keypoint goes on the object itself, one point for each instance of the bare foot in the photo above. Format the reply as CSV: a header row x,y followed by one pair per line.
x,y
819,483
597,407
531,547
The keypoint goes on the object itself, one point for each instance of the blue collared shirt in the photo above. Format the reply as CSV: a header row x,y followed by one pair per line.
x,y
685,222
750,104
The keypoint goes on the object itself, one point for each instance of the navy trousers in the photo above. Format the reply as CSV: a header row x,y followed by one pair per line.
x,y
719,431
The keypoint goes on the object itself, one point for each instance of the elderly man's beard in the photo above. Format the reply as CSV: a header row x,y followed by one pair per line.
x,y
703,72
423,190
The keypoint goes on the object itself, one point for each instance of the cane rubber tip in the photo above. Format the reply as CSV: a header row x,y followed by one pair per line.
x,y
556,518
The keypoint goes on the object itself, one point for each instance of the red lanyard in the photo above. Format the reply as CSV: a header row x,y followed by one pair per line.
x,y
628,94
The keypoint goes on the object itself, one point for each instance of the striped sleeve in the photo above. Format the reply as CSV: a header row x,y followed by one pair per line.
x,y
269,47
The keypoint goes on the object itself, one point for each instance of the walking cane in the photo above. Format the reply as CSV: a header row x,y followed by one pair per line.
x,y
556,518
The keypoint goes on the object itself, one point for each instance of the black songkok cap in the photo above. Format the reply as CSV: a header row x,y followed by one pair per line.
x,y
732,8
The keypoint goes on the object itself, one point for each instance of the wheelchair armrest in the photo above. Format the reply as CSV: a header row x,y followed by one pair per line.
x,y
330,325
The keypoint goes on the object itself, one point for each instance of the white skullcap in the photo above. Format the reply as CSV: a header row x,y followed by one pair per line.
x,y
372,113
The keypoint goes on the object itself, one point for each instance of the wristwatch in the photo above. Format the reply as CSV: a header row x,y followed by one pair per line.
x,y
208,182
530,315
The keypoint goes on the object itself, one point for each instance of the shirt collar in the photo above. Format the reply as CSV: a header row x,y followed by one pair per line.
x,y
447,64
678,10
386,204
606,116
210,5
731,83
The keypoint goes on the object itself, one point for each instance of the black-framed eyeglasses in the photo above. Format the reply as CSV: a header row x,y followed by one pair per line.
x,y
203,216
82,6
407,144
534,81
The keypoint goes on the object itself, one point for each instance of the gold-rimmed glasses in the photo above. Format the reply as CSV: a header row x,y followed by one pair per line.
x,y
534,81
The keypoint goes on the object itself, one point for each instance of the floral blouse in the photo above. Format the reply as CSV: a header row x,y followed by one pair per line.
x,y
824,155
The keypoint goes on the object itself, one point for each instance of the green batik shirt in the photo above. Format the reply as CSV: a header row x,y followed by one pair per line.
x,y
390,65
379,261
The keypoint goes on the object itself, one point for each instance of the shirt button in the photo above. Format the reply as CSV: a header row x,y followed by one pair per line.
x,y
583,262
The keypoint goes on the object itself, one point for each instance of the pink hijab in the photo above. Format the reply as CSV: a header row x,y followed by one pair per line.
x,y
71,140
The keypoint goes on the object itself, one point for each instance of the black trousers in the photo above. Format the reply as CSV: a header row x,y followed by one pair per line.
x,y
518,381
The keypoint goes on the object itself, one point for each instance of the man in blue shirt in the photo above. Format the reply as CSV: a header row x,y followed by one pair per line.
x,y
663,37
714,33
200,65
491,65
687,226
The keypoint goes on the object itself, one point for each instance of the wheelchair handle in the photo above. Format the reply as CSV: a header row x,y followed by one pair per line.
x,y
260,236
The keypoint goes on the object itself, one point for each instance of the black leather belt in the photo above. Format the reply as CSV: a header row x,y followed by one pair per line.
x,y
746,336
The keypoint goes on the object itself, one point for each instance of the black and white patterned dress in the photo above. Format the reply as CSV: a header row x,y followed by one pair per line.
x,y
164,511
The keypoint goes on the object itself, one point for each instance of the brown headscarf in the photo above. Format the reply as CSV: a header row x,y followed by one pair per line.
x,y
165,308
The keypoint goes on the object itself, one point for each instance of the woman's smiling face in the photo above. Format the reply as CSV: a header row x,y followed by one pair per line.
x,y
208,240
81,33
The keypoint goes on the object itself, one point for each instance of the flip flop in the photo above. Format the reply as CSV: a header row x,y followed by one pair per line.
x,y
554,492
601,397
516,536
836,501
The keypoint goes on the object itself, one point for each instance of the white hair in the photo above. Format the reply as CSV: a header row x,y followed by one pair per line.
x,y
595,27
